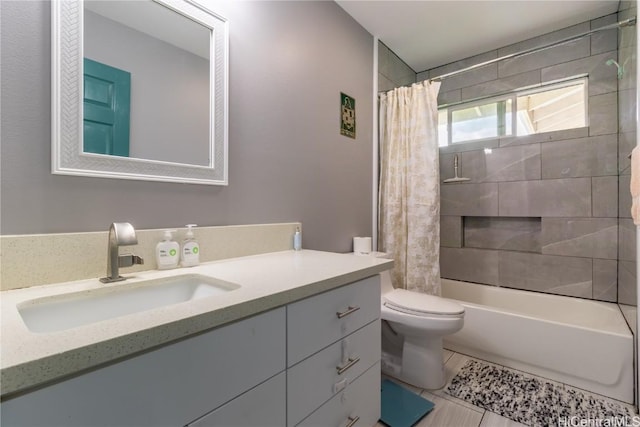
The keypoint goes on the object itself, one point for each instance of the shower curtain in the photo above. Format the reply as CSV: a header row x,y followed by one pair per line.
x,y
409,192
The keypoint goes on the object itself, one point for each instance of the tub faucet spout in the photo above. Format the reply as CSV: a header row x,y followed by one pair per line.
x,y
120,234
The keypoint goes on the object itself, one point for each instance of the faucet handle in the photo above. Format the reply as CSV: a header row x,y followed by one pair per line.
x,y
129,260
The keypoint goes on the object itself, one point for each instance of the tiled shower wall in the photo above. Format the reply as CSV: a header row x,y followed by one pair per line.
x,y
392,71
627,53
540,212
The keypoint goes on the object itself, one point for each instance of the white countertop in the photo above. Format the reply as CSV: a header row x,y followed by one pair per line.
x,y
267,281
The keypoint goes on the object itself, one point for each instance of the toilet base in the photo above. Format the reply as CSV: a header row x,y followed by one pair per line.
x,y
423,363
421,341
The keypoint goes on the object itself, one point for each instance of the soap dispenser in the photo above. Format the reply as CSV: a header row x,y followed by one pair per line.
x,y
190,248
167,252
297,240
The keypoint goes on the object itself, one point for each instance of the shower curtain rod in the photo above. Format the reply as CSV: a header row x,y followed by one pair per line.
x,y
620,24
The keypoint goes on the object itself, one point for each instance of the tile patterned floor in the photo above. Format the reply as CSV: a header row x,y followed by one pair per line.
x,y
452,412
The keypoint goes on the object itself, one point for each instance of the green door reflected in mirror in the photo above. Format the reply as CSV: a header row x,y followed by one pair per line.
x,y
106,102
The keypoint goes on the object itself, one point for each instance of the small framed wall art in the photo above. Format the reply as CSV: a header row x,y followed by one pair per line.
x,y
347,116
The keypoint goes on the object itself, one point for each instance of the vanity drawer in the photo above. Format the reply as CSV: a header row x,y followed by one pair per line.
x,y
262,406
172,385
316,379
357,406
321,320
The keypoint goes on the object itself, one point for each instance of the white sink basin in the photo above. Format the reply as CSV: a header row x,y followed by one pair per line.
x,y
60,312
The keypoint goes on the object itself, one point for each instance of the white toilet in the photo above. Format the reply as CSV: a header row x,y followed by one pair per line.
x,y
422,320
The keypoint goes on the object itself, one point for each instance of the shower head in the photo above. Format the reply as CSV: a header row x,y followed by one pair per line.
x,y
618,66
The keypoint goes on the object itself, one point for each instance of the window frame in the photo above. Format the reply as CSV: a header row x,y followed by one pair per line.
x,y
513,96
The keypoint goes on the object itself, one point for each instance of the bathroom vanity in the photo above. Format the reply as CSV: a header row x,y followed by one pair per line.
x,y
298,343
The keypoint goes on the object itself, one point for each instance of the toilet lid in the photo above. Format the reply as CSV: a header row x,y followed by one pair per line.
x,y
417,302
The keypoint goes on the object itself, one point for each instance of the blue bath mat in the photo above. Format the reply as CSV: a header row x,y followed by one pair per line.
x,y
400,407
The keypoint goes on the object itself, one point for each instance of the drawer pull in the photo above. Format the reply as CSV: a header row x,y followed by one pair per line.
x,y
352,421
350,363
347,312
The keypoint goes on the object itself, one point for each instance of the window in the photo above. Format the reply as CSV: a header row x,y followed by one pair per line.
x,y
524,112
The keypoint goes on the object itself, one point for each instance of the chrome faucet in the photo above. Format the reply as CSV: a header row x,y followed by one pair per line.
x,y
120,234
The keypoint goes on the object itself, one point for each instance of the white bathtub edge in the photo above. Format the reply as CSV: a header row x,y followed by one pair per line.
x,y
546,347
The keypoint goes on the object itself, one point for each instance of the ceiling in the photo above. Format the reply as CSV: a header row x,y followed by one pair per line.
x,y
427,34
154,19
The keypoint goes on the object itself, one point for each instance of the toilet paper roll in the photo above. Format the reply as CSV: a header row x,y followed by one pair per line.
x,y
362,245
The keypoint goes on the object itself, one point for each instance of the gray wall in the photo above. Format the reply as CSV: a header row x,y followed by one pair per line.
x,y
287,159
169,91
540,212
627,53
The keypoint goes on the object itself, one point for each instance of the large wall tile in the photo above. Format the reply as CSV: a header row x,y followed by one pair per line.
x,y
594,156
580,237
627,38
545,39
604,196
383,59
626,55
498,164
422,75
502,85
626,143
471,146
552,56
518,163
469,199
627,287
602,77
627,240
449,97
624,196
404,80
604,41
546,273
479,75
395,71
605,279
625,5
544,137
451,231
603,114
627,103
555,55
516,234
446,165
399,71
547,198
470,265
384,84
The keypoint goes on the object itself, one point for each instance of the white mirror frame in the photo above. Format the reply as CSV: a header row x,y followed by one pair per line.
x,y
67,156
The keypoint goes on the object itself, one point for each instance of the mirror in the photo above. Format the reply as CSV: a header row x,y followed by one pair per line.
x,y
139,98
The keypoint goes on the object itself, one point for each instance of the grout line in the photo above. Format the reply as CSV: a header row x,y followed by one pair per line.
x,y
482,419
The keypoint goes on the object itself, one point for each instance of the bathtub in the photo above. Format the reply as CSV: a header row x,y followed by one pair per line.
x,y
586,344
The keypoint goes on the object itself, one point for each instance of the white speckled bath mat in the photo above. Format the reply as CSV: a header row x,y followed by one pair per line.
x,y
529,400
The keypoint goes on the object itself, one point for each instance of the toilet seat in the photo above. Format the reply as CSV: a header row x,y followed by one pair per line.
x,y
420,304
